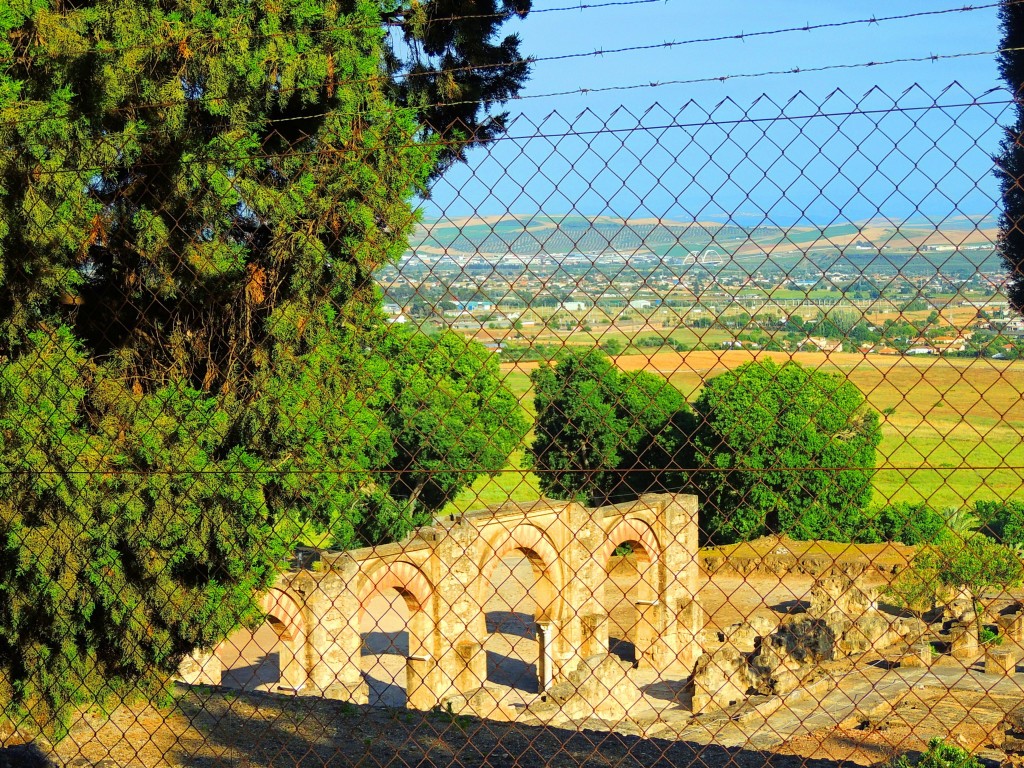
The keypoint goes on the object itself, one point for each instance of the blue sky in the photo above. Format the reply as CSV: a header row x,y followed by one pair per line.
x,y
780,171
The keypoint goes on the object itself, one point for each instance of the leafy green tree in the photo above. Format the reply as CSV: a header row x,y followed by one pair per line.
x,y
974,564
604,435
196,198
612,346
916,588
450,419
1002,520
783,449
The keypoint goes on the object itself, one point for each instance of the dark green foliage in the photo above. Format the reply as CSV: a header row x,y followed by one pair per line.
x,y
195,199
902,522
603,435
126,543
783,449
612,346
972,562
450,419
989,636
1010,162
1002,520
456,67
939,755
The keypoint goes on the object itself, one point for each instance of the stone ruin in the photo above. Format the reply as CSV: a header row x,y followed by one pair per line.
x,y
442,572
766,657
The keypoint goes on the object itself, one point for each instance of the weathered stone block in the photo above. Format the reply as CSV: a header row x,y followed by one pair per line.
x,y
354,694
648,634
595,635
474,666
721,679
836,592
1015,628
919,655
870,631
486,701
909,629
602,686
421,683
964,641
1000,662
742,636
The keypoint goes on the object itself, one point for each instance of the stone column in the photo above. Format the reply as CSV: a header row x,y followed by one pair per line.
x,y
334,643
690,622
649,639
677,530
460,618
579,536
474,666
595,635
420,672
293,672
920,655
545,662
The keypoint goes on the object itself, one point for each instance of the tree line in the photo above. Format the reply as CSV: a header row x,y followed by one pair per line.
x,y
768,447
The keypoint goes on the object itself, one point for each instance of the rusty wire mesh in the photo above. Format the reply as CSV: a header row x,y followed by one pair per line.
x,y
698,431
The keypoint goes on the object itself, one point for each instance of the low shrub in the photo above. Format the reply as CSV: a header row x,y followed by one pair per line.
x,y
939,754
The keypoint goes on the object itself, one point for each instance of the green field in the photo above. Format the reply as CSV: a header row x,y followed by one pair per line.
x,y
952,429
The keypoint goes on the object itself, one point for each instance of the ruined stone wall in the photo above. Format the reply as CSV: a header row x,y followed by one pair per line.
x,y
442,572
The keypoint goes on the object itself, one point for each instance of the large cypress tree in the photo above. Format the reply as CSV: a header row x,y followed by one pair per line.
x,y
195,197
1010,163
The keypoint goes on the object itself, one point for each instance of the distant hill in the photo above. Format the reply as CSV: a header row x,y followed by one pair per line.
x,y
960,243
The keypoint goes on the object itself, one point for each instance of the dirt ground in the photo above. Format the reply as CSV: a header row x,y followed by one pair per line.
x,y
863,715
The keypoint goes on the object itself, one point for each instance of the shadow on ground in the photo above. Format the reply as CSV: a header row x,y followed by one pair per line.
x,y
376,643
286,732
511,623
512,672
265,670
23,756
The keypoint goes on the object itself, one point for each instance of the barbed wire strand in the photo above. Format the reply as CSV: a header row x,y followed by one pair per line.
x,y
570,92
741,36
692,125
404,76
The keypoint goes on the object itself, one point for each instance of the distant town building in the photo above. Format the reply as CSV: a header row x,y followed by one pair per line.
x,y
822,344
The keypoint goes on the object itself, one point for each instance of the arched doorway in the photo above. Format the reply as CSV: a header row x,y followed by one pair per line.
x,y
520,602
393,627
268,658
632,586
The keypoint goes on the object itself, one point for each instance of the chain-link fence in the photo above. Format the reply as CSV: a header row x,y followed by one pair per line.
x,y
686,436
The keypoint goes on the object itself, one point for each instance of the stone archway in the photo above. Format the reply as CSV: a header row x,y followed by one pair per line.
x,y
633,587
522,578
273,656
395,627
285,616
